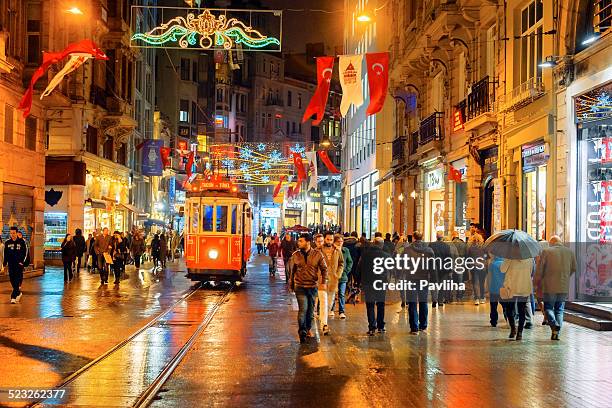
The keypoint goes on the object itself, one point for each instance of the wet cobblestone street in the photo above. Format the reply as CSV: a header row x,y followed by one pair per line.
x,y
249,354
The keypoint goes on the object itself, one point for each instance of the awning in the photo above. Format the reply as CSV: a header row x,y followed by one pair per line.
x,y
131,208
95,203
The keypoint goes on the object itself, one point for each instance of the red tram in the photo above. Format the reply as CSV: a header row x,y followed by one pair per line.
x,y
218,221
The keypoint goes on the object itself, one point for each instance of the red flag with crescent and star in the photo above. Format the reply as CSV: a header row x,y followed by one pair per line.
x,y
319,98
299,166
327,161
378,79
278,186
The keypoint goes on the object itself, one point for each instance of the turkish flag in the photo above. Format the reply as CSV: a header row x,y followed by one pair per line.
x,y
189,165
50,58
319,98
454,174
327,161
378,79
165,155
299,165
278,186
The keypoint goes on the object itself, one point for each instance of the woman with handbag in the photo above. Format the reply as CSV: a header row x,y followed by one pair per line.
x,y
119,253
515,292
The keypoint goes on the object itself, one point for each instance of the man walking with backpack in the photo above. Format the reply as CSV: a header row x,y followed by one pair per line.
x,y
15,257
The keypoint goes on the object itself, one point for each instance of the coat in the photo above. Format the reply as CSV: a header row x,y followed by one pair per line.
x,y
306,267
517,280
365,270
288,248
69,251
79,243
163,247
348,264
496,277
351,244
554,268
420,249
274,249
119,250
102,244
138,246
155,247
335,267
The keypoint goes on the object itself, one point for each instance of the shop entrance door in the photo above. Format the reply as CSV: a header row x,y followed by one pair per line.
x,y
486,210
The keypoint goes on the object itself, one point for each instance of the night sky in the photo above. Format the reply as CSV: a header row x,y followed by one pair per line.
x,y
300,28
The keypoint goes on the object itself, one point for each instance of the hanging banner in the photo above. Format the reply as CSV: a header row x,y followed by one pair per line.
x,y
278,186
312,168
319,98
82,50
189,165
350,81
151,158
378,80
165,156
327,162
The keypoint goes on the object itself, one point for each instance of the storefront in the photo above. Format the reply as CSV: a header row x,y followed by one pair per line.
x,y
270,219
594,194
490,191
363,211
314,208
460,210
534,162
435,212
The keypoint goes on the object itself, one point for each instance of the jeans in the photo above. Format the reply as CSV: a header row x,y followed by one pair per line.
x,y
118,268
137,261
323,307
417,315
68,270
273,264
341,297
494,300
554,305
79,259
16,278
103,268
478,279
521,304
306,301
459,278
376,318
286,263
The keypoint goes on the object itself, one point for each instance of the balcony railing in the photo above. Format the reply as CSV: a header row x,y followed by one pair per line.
x,y
414,142
431,128
481,99
522,95
397,148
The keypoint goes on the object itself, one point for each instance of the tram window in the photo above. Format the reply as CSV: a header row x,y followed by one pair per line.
x,y
195,216
235,226
207,218
221,218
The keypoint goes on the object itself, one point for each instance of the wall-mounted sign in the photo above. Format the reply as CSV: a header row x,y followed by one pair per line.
x,y
457,120
272,212
534,155
331,200
434,180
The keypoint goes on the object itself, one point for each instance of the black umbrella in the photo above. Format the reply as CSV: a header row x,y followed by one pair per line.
x,y
513,244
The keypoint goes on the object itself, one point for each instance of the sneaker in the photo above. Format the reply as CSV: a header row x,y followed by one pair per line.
x,y
13,301
325,330
342,316
371,332
18,298
476,302
512,333
482,301
332,314
414,332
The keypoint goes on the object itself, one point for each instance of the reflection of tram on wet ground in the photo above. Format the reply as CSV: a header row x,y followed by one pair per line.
x,y
218,223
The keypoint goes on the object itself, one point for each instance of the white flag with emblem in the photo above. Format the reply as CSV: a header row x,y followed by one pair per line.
x,y
312,170
350,80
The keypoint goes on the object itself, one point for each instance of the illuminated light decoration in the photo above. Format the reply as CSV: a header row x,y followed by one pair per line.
x,y
267,165
206,31
265,179
297,149
276,156
246,153
261,147
457,120
244,167
595,105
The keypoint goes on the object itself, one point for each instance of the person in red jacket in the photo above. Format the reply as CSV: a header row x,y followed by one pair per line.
x,y
274,250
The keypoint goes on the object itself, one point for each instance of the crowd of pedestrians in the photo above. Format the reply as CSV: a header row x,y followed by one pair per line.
x,y
326,267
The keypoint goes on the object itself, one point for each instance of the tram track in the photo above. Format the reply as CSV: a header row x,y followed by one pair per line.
x,y
149,391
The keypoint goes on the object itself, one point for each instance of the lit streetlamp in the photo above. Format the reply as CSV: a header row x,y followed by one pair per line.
x,y
74,10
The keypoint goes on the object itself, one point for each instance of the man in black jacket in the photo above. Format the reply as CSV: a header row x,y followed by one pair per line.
x,y
418,318
81,248
350,243
443,251
372,283
15,255
288,247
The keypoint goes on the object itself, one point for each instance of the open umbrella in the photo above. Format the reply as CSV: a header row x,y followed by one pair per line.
x,y
513,244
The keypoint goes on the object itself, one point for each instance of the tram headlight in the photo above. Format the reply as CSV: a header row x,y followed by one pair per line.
x,y
213,253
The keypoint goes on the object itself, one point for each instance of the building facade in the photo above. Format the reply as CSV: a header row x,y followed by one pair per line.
x,y
366,140
22,141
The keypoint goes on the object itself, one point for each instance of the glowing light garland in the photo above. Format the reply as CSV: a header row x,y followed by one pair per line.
x,y
212,31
